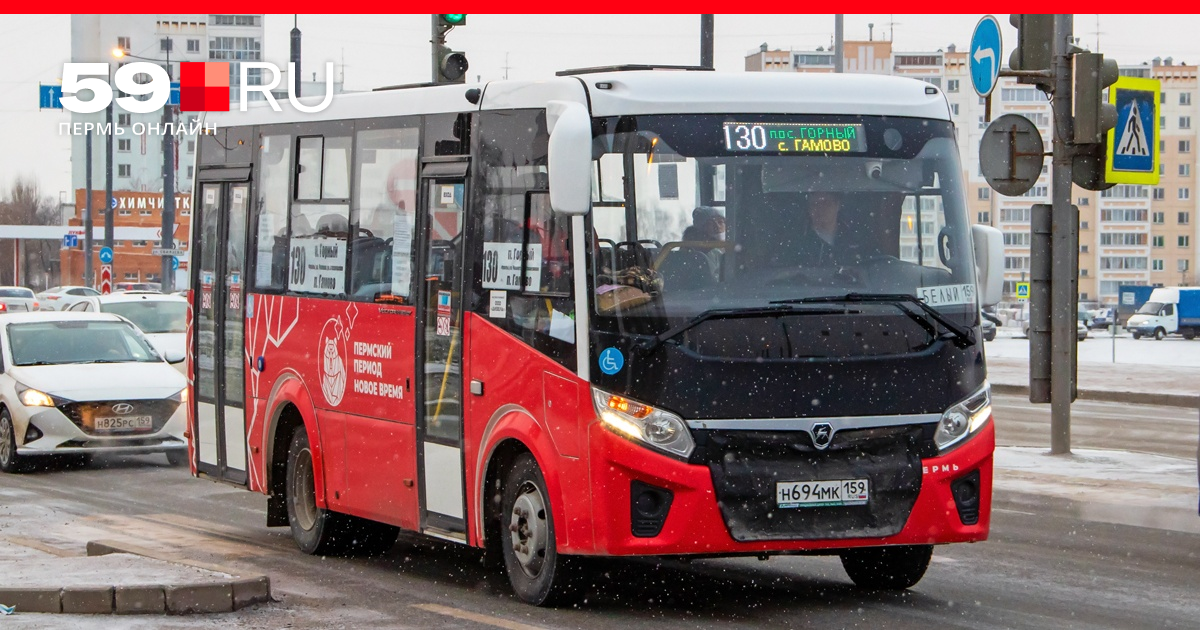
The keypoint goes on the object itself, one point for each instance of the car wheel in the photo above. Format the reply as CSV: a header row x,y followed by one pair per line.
x,y
177,458
1137,335
887,568
10,462
1159,333
991,336
324,532
538,574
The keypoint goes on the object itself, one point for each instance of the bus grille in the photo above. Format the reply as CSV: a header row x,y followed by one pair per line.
x,y
745,466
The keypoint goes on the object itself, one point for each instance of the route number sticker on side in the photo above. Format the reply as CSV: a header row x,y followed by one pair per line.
x,y
805,494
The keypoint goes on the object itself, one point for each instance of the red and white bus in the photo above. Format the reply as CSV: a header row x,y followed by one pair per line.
x,y
619,312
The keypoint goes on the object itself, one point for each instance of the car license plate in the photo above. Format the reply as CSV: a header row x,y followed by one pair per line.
x,y
124,423
801,494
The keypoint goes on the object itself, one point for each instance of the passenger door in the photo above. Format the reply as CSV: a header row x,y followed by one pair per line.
x,y
219,442
439,353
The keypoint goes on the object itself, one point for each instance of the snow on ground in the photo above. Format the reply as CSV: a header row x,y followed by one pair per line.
x,y
1098,348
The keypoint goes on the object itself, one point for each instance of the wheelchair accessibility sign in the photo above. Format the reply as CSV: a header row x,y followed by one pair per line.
x,y
1133,152
611,361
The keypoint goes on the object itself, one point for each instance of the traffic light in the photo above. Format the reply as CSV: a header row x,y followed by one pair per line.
x,y
1094,115
1035,34
449,66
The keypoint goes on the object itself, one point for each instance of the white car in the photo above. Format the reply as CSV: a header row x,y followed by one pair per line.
x,y
163,318
81,383
17,300
59,298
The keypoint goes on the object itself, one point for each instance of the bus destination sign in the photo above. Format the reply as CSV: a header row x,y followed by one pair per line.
x,y
794,138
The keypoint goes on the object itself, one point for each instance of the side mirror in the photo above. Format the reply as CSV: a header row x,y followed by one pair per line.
x,y
989,261
174,356
569,157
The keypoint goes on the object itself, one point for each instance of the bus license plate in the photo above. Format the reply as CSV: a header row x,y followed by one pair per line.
x,y
802,494
124,423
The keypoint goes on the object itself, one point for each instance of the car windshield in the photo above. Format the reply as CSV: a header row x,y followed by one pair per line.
x,y
1150,308
64,342
152,316
724,212
15,292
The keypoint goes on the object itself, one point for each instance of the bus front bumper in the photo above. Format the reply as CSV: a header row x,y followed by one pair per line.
x,y
623,471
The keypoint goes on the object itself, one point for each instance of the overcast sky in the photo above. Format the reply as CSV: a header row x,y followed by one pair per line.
x,y
392,49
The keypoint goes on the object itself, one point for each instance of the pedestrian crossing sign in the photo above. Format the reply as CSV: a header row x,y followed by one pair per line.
x,y
1022,290
1133,150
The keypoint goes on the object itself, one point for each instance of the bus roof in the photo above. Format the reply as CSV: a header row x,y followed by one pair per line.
x,y
635,92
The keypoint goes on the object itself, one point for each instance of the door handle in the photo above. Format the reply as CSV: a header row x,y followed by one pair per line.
x,y
476,387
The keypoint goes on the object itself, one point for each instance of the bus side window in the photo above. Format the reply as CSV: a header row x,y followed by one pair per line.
x,y
383,213
271,213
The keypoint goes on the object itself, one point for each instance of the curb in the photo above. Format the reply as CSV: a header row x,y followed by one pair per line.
x,y
176,599
1188,401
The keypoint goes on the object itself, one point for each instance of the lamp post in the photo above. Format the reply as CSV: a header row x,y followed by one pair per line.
x,y
167,277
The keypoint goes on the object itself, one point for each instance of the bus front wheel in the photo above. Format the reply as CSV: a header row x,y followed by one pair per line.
x,y
887,568
538,574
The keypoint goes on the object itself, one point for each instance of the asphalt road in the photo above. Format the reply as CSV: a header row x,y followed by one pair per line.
x,y
1044,567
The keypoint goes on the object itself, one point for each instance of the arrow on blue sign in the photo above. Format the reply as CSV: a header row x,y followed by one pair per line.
x,y
50,97
106,255
175,263
985,55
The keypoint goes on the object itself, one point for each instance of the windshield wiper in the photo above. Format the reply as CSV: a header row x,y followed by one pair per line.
x,y
648,343
963,337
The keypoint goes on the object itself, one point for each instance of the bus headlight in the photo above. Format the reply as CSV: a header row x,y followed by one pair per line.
x,y
964,419
653,427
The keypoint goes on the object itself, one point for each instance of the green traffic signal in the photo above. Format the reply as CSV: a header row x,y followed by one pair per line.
x,y
453,19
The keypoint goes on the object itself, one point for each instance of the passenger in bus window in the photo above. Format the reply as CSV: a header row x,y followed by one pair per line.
x,y
820,247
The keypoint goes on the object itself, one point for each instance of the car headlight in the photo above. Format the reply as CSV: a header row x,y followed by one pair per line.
x,y
34,398
964,419
653,427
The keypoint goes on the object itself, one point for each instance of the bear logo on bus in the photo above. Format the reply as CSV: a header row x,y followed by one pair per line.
x,y
333,366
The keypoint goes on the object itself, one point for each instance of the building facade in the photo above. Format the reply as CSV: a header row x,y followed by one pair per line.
x,y
1129,234
138,163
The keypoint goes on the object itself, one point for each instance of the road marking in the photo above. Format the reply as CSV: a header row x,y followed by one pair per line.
x,y
476,617
996,509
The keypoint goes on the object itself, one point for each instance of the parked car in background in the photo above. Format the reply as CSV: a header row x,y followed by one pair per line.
x,y
1103,318
17,300
162,318
58,298
137,286
1081,330
81,383
988,324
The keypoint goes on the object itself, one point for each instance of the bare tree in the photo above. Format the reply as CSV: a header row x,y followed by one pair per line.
x,y
24,204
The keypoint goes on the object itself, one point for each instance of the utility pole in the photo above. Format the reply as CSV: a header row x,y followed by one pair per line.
x,y
838,52
168,213
108,176
1065,249
89,278
706,41
295,56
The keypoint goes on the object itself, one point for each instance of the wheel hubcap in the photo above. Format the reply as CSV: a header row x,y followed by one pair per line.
x,y
303,494
530,530
6,439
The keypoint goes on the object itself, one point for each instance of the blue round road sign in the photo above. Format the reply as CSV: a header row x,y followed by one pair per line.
x,y
106,255
984,55
174,263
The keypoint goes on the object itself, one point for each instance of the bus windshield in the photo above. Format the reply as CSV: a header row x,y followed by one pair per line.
x,y
693,213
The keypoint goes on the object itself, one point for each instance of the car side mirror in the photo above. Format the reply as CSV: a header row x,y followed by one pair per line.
x,y
174,356
989,260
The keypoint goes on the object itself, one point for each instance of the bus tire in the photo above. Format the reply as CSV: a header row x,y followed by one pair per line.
x,y
538,574
1159,333
887,568
314,529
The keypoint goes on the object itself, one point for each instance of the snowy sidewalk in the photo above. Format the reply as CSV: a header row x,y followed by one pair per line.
x,y
1109,486
1128,383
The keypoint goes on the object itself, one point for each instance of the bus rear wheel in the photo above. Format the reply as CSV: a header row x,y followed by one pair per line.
x,y
324,532
887,568
538,574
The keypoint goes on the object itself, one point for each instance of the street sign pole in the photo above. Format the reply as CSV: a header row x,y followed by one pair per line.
x,y
89,277
1065,247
